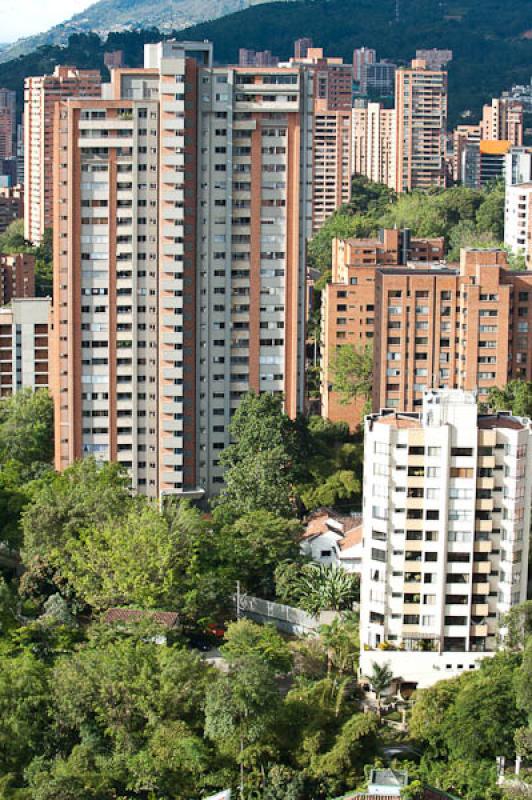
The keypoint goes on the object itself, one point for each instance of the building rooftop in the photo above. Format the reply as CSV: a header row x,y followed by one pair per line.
x,y
387,777
352,537
501,420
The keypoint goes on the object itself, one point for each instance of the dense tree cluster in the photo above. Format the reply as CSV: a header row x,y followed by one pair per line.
x,y
464,217
130,710
488,39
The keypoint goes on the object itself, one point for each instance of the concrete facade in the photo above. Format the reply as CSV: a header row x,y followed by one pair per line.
x,y
24,345
446,515
183,208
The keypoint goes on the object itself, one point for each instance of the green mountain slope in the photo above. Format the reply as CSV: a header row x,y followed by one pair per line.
x,y
115,15
488,37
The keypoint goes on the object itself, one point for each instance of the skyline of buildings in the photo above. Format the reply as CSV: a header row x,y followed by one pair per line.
x,y
142,205
41,93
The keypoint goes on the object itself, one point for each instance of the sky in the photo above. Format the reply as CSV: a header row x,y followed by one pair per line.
x,y
26,17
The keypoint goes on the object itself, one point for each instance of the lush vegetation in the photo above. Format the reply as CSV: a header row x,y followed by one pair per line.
x,y
12,241
464,217
131,710
490,49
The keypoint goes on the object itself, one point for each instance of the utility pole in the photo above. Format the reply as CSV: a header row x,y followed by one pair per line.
x,y
238,599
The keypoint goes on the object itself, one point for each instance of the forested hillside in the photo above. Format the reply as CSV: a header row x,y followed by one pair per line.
x,y
489,39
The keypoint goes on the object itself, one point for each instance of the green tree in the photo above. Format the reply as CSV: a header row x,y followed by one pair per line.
x,y
24,709
12,240
245,639
341,640
343,764
84,496
139,560
241,710
523,682
319,587
380,679
518,624
490,215
516,397
26,425
258,462
128,716
352,370
44,265
252,546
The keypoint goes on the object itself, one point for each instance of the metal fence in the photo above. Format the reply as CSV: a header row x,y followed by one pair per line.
x,y
285,618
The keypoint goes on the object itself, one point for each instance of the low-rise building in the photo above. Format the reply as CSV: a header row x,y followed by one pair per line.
x,y
334,540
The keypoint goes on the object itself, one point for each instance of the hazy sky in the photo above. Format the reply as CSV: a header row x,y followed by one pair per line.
x,y
25,17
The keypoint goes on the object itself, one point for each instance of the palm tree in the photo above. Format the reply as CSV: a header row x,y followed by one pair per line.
x,y
326,588
380,679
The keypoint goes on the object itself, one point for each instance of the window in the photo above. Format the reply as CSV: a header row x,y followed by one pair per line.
x,y
433,472
461,472
434,451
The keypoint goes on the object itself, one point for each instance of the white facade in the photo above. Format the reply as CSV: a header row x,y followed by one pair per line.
x,y
518,220
446,527
24,345
374,146
425,669
337,543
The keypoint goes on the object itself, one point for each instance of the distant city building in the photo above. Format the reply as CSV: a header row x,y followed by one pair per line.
x,y
11,205
256,58
522,93
179,261
492,161
8,123
301,47
333,168
6,133
24,345
114,59
362,56
377,79
447,500
409,314
17,276
518,166
349,301
518,220
8,171
502,120
40,97
374,143
462,136
421,106
434,58
332,80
